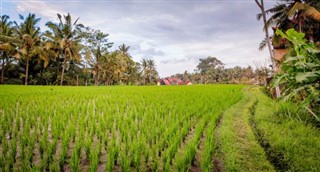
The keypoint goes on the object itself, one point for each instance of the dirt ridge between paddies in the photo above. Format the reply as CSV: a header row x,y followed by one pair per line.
x,y
238,148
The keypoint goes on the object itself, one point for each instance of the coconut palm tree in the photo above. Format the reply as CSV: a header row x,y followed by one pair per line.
x,y
7,40
97,46
144,65
265,24
293,14
306,15
66,35
29,45
125,62
124,50
136,73
151,69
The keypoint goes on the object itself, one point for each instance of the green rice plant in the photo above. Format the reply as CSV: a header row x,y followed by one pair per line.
x,y
2,163
146,156
75,159
54,167
124,162
167,166
43,145
12,155
87,146
191,153
110,160
5,147
53,149
48,157
155,166
137,156
25,165
209,146
29,154
23,144
64,152
95,154
13,151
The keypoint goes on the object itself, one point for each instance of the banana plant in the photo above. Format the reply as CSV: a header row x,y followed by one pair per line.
x,y
300,76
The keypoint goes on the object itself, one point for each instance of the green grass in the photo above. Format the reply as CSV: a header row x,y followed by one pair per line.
x,y
151,128
292,144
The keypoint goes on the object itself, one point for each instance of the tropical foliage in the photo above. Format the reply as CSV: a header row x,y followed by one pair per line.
x,y
296,25
211,70
300,74
68,53
303,16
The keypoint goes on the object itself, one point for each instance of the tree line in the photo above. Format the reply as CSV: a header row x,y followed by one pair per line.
x,y
68,53
211,70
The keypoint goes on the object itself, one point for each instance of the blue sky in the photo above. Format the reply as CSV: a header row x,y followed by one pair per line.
x,y
174,33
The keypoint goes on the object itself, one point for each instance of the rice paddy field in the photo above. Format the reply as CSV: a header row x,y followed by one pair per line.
x,y
150,128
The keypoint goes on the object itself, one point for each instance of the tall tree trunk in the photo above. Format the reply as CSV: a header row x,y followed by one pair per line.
x,y
150,78
77,80
300,23
63,68
98,78
27,72
261,6
2,71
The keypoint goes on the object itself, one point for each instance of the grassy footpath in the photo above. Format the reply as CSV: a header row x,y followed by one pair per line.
x,y
238,148
291,145
254,135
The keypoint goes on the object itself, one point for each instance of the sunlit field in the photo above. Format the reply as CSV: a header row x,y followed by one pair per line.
x,y
111,128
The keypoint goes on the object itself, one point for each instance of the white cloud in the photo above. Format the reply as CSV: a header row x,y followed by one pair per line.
x,y
20,9
43,8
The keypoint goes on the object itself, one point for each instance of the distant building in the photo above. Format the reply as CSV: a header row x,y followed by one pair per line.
x,y
173,81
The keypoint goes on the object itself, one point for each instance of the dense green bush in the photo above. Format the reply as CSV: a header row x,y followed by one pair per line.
x,y
300,75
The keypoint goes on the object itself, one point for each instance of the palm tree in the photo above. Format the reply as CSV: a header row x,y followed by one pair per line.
x,y
29,45
293,14
126,63
65,35
301,12
136,73
124,50
265,24
151,66
113,68
7,40
96,51
144,64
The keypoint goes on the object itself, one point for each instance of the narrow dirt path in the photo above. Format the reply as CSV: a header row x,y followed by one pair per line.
x,y
237,146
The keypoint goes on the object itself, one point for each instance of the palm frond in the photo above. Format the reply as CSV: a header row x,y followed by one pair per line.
x,y
9,39
308,10
312,12
263,44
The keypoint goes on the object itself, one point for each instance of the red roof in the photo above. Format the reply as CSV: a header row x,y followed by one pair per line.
x,y
173,81
166,82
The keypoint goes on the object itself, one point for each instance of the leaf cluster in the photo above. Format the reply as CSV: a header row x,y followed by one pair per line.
x,y
300,74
